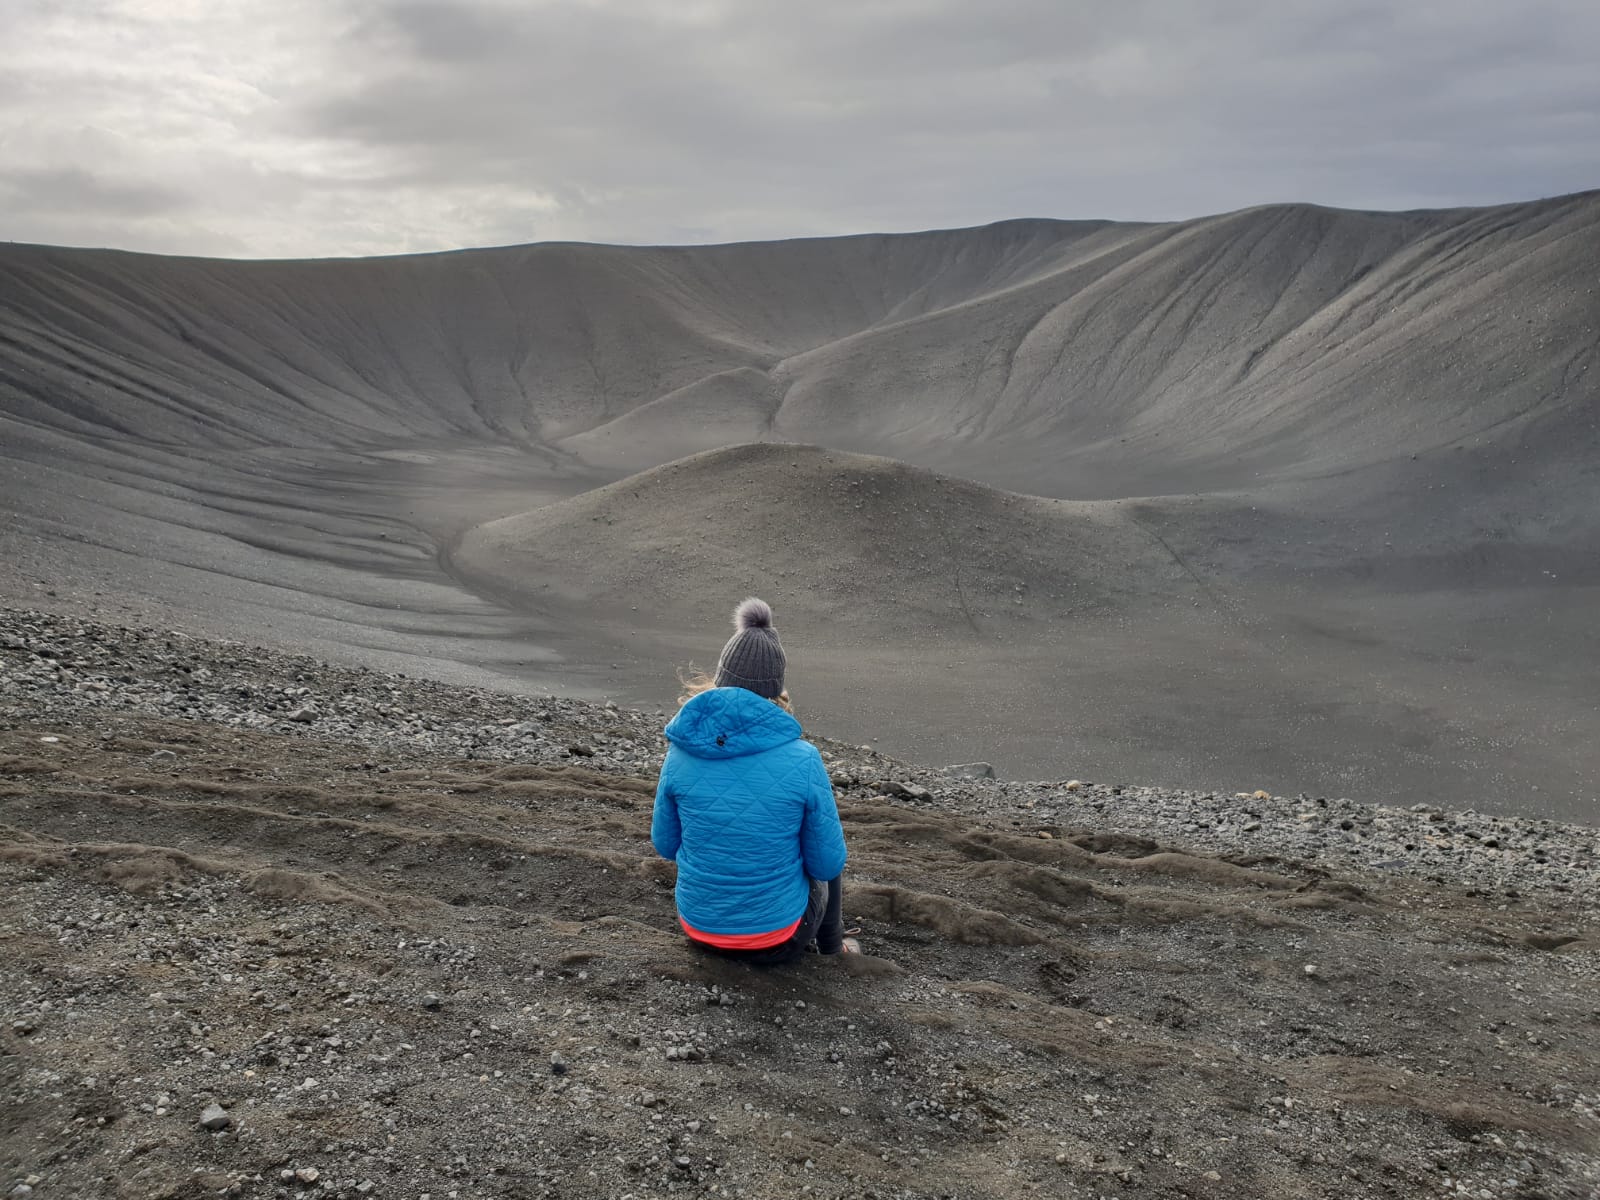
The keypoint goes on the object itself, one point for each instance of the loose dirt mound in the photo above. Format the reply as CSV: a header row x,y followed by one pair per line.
x,y
861,546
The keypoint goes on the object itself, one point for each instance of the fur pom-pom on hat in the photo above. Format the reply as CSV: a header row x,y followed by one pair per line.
x,y
753,658
753,614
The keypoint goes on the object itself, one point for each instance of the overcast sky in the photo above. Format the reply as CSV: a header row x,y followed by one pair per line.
x,y
348,127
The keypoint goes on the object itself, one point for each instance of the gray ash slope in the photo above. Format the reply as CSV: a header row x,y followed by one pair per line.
x,y
411,938
1291,336
1368,440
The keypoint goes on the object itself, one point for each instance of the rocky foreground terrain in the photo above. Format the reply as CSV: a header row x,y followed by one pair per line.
x,y
277,928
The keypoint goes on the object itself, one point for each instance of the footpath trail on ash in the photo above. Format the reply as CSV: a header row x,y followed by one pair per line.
x,y
410,939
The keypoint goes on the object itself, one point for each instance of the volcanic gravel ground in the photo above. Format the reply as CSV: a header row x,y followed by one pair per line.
x,y
280,929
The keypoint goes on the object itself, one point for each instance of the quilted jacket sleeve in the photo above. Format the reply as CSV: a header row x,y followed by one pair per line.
x,y
666,831
821,834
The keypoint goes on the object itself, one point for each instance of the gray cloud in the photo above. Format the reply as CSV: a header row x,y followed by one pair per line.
x,y
385,125
78,190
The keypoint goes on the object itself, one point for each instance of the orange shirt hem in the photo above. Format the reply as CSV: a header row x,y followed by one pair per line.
x,y
741,941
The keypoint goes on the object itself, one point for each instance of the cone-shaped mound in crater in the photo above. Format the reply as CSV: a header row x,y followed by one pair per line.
x,y
869,545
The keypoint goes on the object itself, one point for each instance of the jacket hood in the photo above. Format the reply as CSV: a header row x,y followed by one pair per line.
x,y
730,722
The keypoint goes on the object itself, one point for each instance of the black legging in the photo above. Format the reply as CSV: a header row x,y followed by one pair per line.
x,y
823,922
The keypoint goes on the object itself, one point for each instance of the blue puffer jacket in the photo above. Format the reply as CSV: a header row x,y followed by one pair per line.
x,y
747,810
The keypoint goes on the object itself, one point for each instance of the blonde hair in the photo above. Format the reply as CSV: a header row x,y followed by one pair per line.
x,y
701,681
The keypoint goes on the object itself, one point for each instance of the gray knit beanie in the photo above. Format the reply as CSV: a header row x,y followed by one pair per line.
x,y
753,658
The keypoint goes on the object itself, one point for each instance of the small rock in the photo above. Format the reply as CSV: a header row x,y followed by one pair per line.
x,y
303,715
693,1126
432,1002
308,1174
163,756
1258,794
1073,785
215,1117
972,770
578,750
908,791
1311,970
